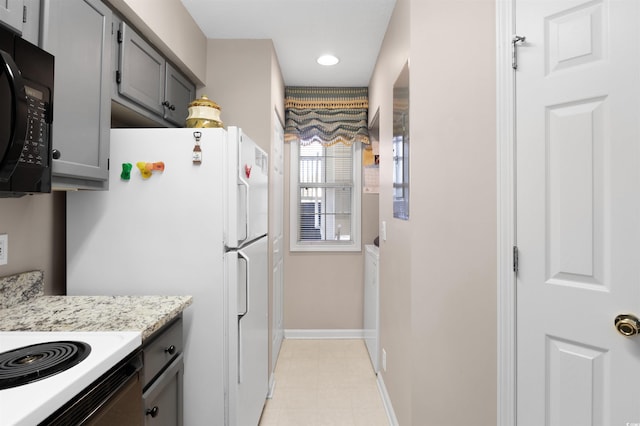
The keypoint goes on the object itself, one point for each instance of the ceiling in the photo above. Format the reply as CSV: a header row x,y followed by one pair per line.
x,y
303,30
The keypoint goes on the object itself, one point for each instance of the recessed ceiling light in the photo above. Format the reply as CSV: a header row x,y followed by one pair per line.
x,y
328,60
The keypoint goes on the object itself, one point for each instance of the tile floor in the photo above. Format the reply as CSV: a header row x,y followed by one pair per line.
x,y
324,383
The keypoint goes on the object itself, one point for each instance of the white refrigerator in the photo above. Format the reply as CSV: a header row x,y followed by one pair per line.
x,y
176,226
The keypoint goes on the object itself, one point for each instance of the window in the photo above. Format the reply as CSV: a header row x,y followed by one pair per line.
x,y
325,197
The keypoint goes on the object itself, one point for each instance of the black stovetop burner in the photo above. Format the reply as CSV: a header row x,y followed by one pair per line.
x,y
35,362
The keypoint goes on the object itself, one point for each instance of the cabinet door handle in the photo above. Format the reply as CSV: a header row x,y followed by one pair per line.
x,y
56,154
166,104
172,107
153,412
171,350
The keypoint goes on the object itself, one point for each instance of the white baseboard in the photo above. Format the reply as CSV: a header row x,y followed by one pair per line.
x,y
386,401
324,334
272,386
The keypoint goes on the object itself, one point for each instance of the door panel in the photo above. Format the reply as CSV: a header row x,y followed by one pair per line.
x,y
178,93
575,183
578,211
142,71
78,34
276,232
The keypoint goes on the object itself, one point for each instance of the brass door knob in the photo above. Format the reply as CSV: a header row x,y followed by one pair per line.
x,y
627,324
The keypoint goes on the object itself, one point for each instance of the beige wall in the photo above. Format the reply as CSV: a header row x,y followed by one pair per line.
x,y
172,30
36,228
441,264
239,79
244,78
324,291
395,252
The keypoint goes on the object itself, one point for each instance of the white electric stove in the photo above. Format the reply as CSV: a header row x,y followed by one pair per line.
x,y
30,403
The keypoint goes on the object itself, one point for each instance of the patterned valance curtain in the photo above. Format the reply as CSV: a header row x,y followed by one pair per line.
x,y
328,115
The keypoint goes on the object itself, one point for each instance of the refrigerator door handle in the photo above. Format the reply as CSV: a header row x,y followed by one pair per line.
x,y
243,211
243,284
243,298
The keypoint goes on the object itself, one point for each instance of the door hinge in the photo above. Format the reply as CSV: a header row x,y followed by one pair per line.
x,y
24,14
514,50
118,77
515,259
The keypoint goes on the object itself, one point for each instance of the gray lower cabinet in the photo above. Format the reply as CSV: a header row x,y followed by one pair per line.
x,y
147,82
163,399
78,34
163,377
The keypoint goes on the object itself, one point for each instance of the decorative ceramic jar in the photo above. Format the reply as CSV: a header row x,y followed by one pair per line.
x,y
203,113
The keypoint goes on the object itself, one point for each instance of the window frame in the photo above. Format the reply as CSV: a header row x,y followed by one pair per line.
x,y
355,244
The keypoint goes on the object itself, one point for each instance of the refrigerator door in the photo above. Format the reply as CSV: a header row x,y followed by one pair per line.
x,y
247,176
248,378
163,236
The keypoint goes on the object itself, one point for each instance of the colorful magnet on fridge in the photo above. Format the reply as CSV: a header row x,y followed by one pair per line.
x,y
144,171
147,168
247,170
126,171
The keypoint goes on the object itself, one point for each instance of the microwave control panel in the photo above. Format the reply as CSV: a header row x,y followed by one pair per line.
x,y
36,145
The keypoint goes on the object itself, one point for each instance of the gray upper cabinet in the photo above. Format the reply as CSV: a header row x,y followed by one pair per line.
x,y
11,14
21,16
141,71
179,92
78,34
147,83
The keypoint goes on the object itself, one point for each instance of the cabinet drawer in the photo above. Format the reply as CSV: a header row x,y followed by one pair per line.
x,y
163,400
161,350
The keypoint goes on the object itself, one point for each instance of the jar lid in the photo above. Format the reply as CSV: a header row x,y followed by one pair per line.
x,y
205,102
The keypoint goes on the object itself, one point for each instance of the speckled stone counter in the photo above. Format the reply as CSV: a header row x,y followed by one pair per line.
x,y
20,288
145,314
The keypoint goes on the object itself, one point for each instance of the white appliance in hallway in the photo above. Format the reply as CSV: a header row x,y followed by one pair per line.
x,y
187,228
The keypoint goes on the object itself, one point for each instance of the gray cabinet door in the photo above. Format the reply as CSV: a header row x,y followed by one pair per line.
x,y
163,400
11,13
142,71
77,33
179,92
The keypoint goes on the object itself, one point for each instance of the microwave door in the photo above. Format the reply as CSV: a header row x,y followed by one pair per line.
x,y
13,120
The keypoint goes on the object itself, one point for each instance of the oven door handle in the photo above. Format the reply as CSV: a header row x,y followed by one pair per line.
x,y
11,150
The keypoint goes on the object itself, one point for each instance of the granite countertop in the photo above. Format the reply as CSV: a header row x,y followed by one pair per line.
x,y
145,314
26,309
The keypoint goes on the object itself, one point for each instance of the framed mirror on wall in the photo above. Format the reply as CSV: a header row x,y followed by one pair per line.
x,y
401,145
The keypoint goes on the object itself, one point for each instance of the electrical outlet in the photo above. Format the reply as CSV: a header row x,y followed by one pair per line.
x,y
4,249
384,360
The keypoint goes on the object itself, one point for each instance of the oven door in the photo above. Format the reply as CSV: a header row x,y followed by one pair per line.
x,y
113,399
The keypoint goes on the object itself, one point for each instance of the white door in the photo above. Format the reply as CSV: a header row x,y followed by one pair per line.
x,y
277,238
578,211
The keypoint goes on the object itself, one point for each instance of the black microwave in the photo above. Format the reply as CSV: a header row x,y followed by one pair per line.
x,y
26,113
